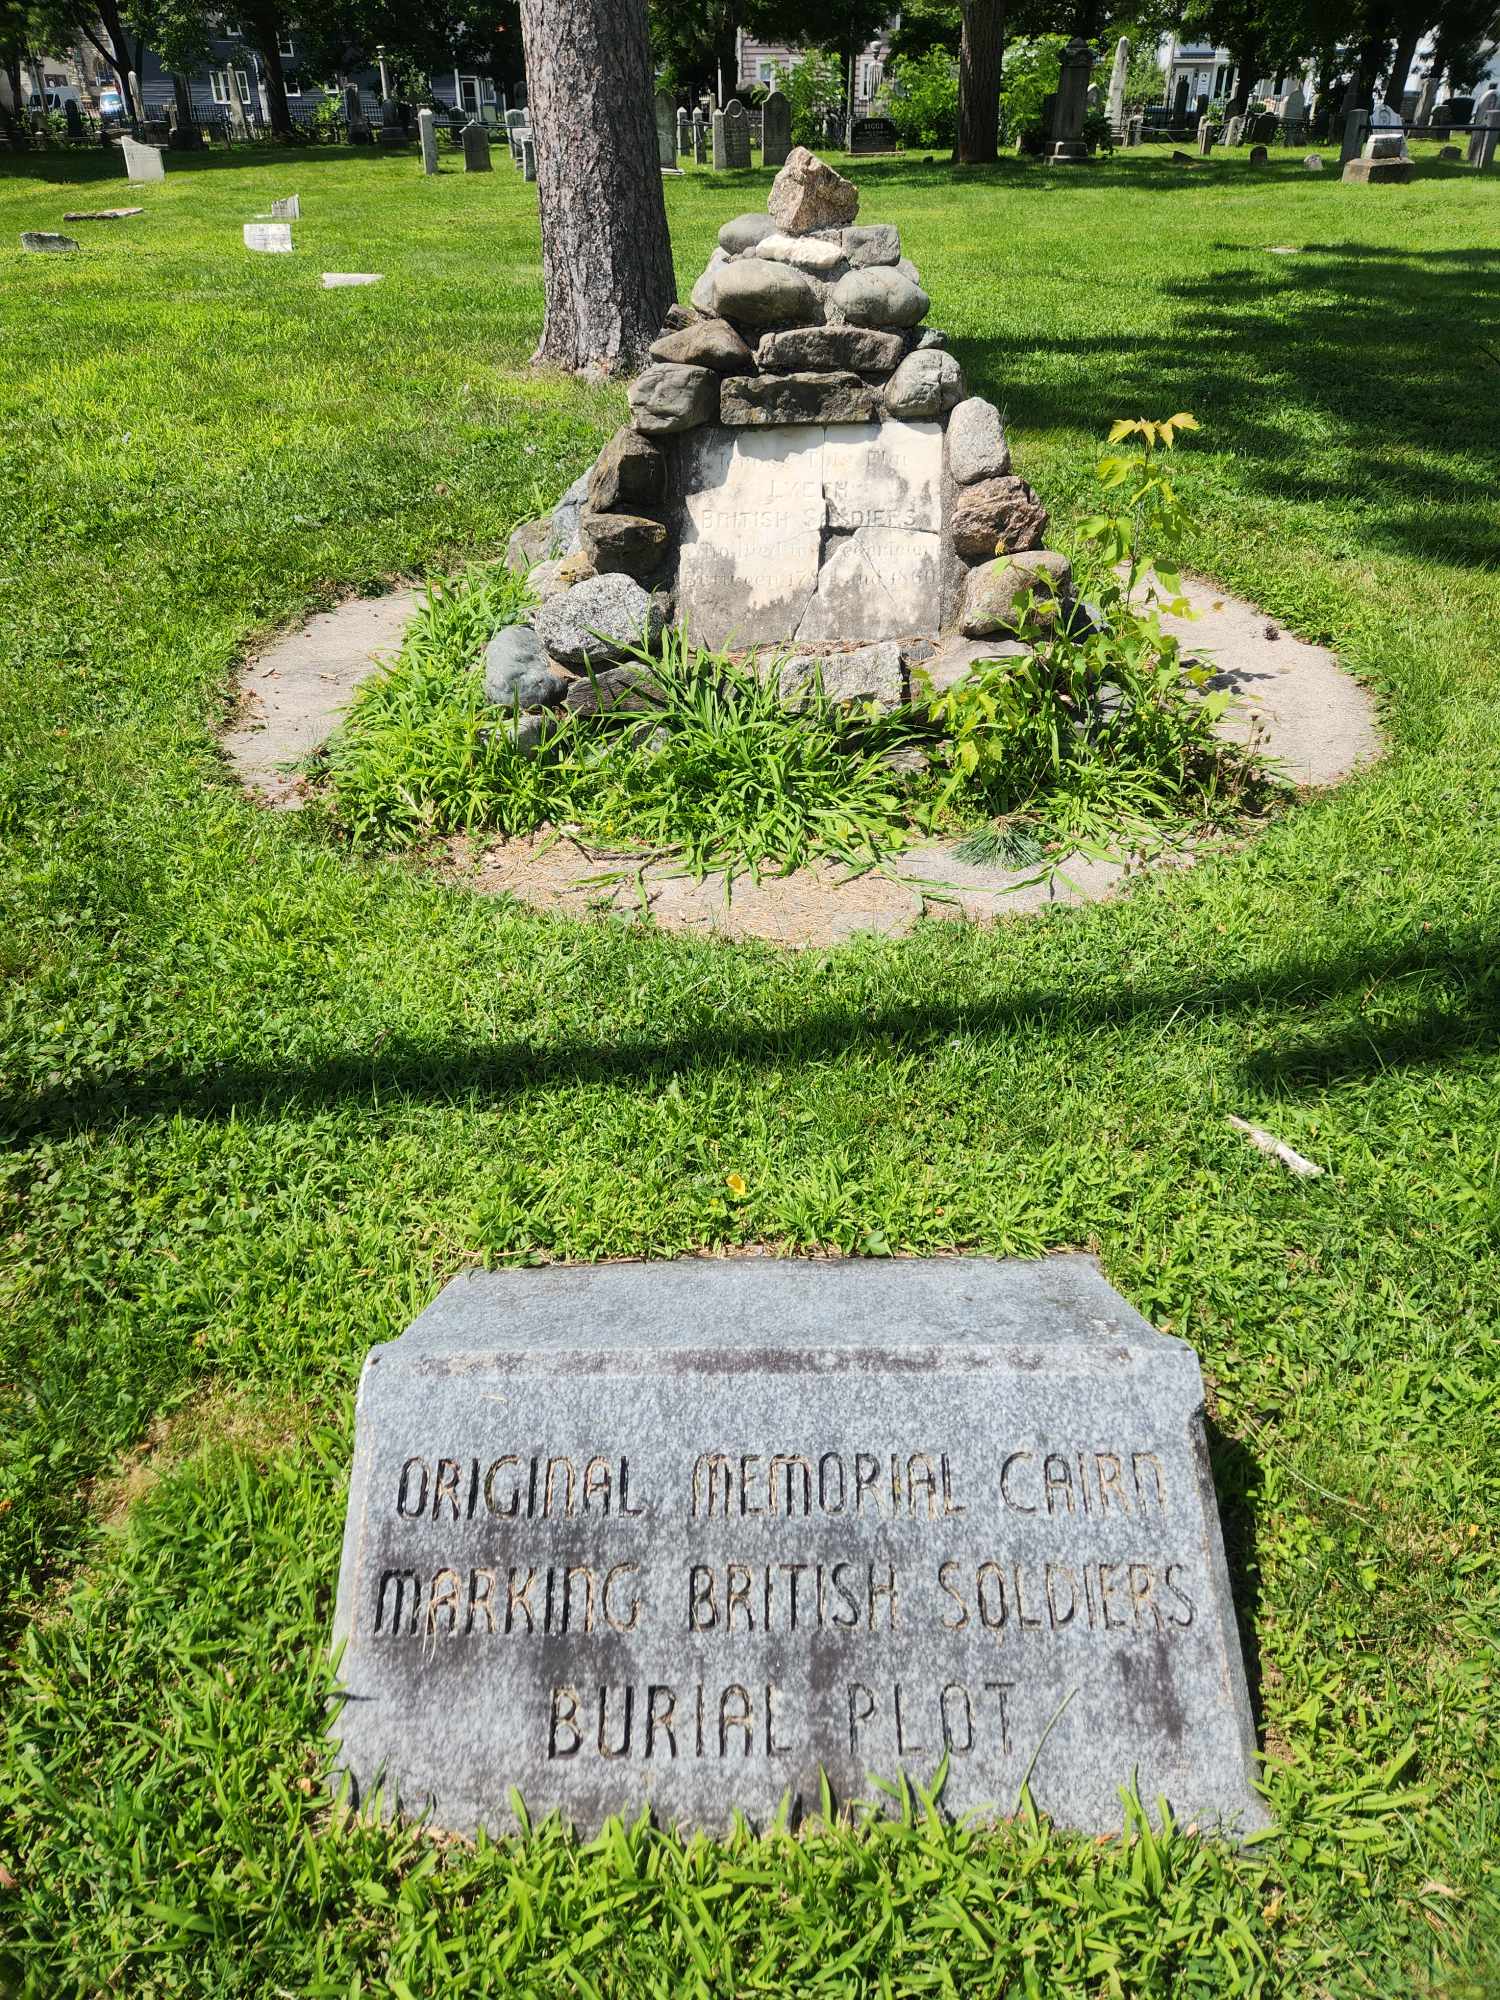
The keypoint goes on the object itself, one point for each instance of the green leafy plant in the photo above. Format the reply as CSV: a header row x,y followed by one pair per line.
x,y
711,766
923,99
1102,726
813,86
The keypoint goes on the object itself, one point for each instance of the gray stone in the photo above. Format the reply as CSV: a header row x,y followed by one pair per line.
x,y
707,343
528,732
142,163
702,295
968,1508
775,130
880,296
665,113
668,397
49,240
1259,156
992,591
736,135
928,383
613,689
629,473
1314,163
551,579
274,238
808,195
516,672
632,543
976,442
476,144
599,620
757,292
427,139
287,208
931,336
528,158
877,582
744,232
565,514
879,243
868,673
996,514
865,349
344,281
831,398
529,543
1376,171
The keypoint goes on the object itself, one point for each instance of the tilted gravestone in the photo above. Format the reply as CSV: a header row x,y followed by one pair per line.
x,y
695,1533
720,144
736,134
142,163
775,130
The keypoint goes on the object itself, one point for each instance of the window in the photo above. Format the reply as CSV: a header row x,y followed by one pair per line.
x,y
232,29
218,83
285,46
766,72
244,86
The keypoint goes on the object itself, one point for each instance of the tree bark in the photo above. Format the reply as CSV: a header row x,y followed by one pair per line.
x,y
981,50
606,254
117,55
1401,62
280,111
1246,58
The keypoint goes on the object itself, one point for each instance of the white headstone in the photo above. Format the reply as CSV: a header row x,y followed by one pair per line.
x,y
273,237
289,209
337,281
1117,75
142,163
427,135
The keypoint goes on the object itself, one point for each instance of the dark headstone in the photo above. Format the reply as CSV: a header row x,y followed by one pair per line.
x,y
695,1533
874,135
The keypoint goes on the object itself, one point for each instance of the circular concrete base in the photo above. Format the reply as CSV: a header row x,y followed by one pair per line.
x,y
1312,722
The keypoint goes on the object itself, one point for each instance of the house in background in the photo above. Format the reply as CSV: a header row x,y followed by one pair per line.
x,y
763,62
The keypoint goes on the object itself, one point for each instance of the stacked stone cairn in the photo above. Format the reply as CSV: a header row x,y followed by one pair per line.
x,y
804,477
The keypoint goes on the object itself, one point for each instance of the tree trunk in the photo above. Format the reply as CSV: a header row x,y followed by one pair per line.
x,y
1246,57
1401,62
606,254
981,49
277,107
117,55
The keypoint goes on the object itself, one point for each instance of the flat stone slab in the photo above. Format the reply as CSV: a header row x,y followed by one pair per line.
x,y
275,238
811,532
692,1534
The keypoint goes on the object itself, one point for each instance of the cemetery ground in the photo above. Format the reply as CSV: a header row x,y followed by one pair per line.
x,y
263,1096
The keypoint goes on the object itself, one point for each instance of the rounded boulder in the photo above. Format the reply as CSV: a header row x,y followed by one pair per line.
x,y
927,383
517,673
880,296
756,292
992,592
598,622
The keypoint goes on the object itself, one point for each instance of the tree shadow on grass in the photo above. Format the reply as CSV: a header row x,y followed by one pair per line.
x,y
445,1072
89,169
1349,375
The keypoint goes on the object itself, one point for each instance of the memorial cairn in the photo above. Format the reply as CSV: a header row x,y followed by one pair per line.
x,y
804,477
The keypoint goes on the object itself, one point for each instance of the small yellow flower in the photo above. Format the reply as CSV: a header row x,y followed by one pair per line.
x,y
737,1186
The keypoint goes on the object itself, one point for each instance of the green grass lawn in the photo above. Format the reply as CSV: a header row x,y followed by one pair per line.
x,y
261,1099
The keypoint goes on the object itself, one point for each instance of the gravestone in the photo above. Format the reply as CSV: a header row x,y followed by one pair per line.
x,y
736,134
1426,98
1259,157
1071,105
1205,137
775,130
355,121
1488,137
427,137
50,241
392,131
665,112
73,119
239,111
476,148
274,238
1356,131
700,138
287,208
142,163
720,144
528,158
873,135
1136,131
1481,113
684,133
1119,71
1180,101
695,1534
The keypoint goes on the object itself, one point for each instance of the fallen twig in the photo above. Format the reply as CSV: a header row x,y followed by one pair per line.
x,y
1267,1142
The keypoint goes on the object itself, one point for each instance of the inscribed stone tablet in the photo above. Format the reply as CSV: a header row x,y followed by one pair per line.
x,y
690,1533
275,237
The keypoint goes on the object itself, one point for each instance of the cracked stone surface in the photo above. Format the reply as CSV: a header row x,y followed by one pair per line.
x,y
811,532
